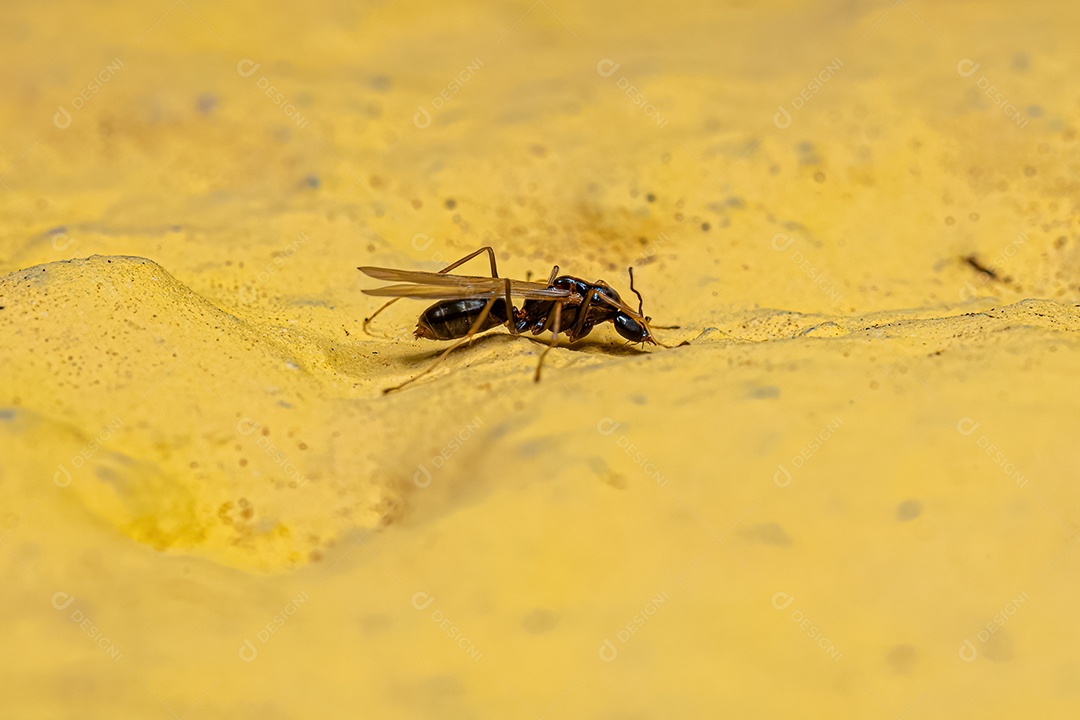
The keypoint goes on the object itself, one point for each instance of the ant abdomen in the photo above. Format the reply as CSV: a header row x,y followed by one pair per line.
x,y
453,319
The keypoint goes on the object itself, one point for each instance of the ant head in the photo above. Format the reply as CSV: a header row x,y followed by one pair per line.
x,y
631,329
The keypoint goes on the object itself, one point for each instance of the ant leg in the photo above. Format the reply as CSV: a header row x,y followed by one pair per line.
x,y
510,324
580,324
494,273
477,324
554,339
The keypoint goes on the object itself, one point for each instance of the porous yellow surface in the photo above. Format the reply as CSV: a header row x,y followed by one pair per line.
x,y
849,491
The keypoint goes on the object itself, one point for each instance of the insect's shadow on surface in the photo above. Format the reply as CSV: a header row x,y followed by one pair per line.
x,y
591,346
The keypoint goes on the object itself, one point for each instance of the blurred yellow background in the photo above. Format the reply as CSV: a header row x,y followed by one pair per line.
x,y
847,496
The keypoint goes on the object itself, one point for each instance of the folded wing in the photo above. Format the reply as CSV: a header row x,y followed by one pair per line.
x,y
440,286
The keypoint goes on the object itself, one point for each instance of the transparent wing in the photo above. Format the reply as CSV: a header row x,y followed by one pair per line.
x,y
452,292
419,284
434,278
415,276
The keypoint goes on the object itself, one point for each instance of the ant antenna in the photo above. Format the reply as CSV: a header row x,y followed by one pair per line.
x,y
641,309
641,300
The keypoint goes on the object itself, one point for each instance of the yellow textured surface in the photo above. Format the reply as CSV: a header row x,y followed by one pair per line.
x,y
853,494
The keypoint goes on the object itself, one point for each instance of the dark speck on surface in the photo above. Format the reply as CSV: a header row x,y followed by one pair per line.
x,y
767,534
532,448
207,102
451,203
764,392
540,621
312,181
908,510
807,154
902,659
